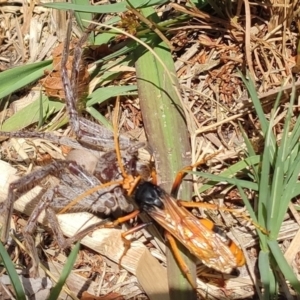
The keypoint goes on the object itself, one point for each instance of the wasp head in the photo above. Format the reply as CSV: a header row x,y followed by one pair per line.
x,y
149,195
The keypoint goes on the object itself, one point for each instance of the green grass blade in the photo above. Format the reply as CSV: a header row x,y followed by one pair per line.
x,y
276,206
256,102
262,236
31,114
65,272
294,138
18,77
251,152
284,266
264,184
217,178
260,112
106,8
159,99
249,162
100,118
14,277
41,114
105,93
80,16
267,276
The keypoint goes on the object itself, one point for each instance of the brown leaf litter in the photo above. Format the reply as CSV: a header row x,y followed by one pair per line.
x,y
208,52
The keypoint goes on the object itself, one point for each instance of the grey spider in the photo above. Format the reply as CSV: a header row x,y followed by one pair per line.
x,y
73,177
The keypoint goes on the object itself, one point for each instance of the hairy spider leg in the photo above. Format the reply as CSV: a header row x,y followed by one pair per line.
x,y
45,204
88,132
63,243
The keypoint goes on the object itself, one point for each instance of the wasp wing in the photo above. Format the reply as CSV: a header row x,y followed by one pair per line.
x,y
202,242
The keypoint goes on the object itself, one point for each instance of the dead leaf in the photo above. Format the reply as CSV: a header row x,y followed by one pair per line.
x,y
111,296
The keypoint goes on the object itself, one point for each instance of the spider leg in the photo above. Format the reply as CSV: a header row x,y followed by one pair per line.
x,y
24,183
58,234
30,227
45,204
87,132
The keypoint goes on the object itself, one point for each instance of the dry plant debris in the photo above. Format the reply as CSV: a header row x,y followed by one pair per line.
x,y
52,82
208,52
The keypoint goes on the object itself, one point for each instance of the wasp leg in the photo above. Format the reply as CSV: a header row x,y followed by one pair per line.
x,y
178,179
181,174
217,207
182,265
122,219
129,183
127,242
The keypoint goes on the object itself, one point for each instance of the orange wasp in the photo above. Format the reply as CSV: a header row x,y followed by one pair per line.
x,y
199,236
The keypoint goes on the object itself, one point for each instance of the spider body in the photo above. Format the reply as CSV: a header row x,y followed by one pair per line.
x,y
73,176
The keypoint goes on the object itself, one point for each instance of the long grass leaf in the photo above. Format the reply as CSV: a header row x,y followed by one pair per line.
x,y
105,8
260,112
294,136
31,114
264,202
102,94
18,77
251,152
247,163
14,277
65,272
277,207
262,236
283,265
80,16
217,178
159,99
99,117
265,272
